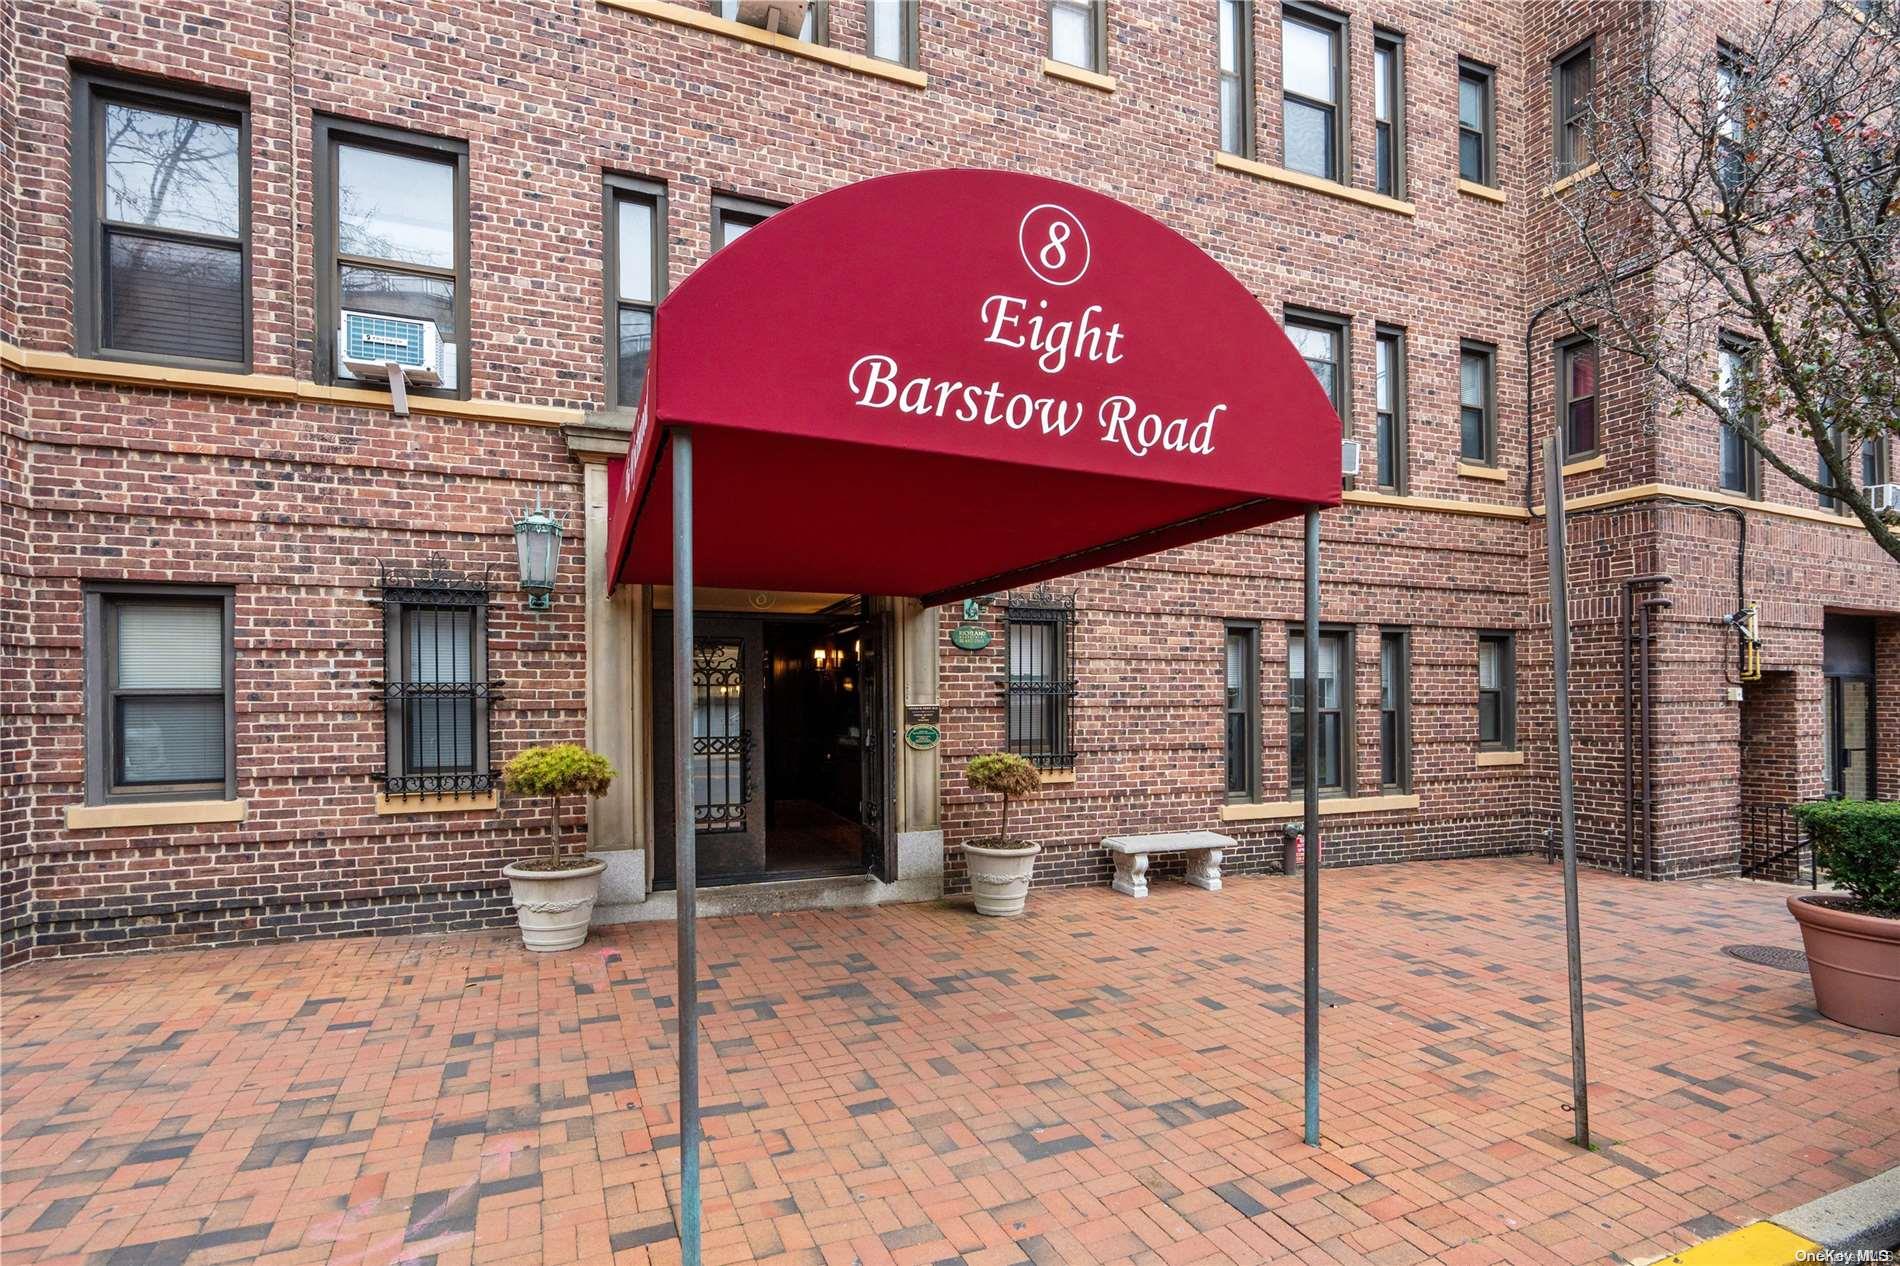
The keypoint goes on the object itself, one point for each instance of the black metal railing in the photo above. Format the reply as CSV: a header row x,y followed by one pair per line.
x,y
1774,844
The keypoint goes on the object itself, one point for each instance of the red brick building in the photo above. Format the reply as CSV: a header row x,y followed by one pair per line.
x,y
262,641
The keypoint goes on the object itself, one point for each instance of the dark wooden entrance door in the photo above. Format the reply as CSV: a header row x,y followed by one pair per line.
x,y
728,702
877,728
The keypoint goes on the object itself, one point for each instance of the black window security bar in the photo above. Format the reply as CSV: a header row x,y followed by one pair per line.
x,y
1040,677
436,691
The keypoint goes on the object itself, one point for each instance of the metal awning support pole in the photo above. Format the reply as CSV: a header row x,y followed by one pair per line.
x,y
1566,792
686,863
1310,722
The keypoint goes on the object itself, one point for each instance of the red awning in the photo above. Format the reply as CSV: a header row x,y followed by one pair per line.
x,y
949,383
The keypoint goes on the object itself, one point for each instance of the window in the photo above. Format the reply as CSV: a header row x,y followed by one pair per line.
x,y
1335,711
436,689
1236,77
636,278
1477,416
392,236
1041,681
1872,463
1577,396
160,708
1078,34
1313,87
1731,149
1735,376
162,224
1388,114
733,217
1477,136
1320,340
1497,691
891,30
1572,82
1243,711
1395,710
1389,395
813,30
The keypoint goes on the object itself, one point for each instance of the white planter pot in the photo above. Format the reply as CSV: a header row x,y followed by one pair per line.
x,y
553,906
999,877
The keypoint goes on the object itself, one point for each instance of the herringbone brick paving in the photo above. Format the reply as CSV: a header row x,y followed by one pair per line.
x,y
1102,1081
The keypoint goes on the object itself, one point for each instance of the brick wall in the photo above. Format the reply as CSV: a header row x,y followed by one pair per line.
x,y
296,503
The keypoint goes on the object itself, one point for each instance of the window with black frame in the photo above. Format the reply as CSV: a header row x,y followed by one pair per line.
x,y
1234,46
1395,710
1333,705
636,279
1388,113
1577,396
392,237
1573,85
1389,439
1497,691
1740,471
160,697
161,199
1242,666
437,692
1040,686
1477,412
1477,141
1313,91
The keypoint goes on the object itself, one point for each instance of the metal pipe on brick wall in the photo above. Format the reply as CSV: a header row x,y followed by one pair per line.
x,y
685,865
1629,714
1649,738
1310,785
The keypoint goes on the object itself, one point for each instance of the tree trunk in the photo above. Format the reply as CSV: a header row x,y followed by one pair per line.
x,y
554,831
1003,840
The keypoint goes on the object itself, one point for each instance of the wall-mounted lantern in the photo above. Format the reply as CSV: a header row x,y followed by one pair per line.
x,y
538,549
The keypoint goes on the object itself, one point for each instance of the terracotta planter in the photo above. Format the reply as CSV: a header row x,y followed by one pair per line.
x,y
999,877
1854,962
554,906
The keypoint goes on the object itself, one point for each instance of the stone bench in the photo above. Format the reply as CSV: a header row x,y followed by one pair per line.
x,y
1131,853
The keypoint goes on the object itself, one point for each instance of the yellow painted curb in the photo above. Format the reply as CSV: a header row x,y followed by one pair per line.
x,y
1757,1244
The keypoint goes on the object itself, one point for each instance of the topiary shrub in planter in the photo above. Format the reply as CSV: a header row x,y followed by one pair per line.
x,y
1000,866
554,894
1853,937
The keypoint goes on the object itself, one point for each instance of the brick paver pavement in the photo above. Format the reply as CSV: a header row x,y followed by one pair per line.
x,y
1102,1081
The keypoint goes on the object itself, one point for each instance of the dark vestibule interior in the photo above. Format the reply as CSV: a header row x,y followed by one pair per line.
x,y
781,777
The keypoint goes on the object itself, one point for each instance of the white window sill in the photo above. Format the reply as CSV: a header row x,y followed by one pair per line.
x,y
1574,178
1485,192
1472,470
1078,75
1315,184
1584,465
1273,810
467,802
701,20
1486,759
105,817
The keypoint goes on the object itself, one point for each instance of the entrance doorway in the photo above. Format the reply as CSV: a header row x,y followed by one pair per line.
x,y
790,772
1847,706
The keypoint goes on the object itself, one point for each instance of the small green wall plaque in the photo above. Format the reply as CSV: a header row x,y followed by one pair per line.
x,y
921,738
969,637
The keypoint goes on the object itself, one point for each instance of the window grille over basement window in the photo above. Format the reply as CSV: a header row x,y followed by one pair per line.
x,y
436,691
1040,686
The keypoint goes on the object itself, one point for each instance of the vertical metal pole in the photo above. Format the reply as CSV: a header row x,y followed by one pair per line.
x,y
1566,792
685,862
1310,721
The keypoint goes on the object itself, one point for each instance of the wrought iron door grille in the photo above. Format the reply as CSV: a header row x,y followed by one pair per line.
x,y
1039,680
722,746
436,692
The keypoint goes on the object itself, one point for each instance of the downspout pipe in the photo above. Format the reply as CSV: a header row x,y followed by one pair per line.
x,y
1530,351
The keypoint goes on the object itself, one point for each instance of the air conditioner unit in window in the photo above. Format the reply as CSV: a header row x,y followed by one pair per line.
x,y
1885,498
1349,458
368,344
